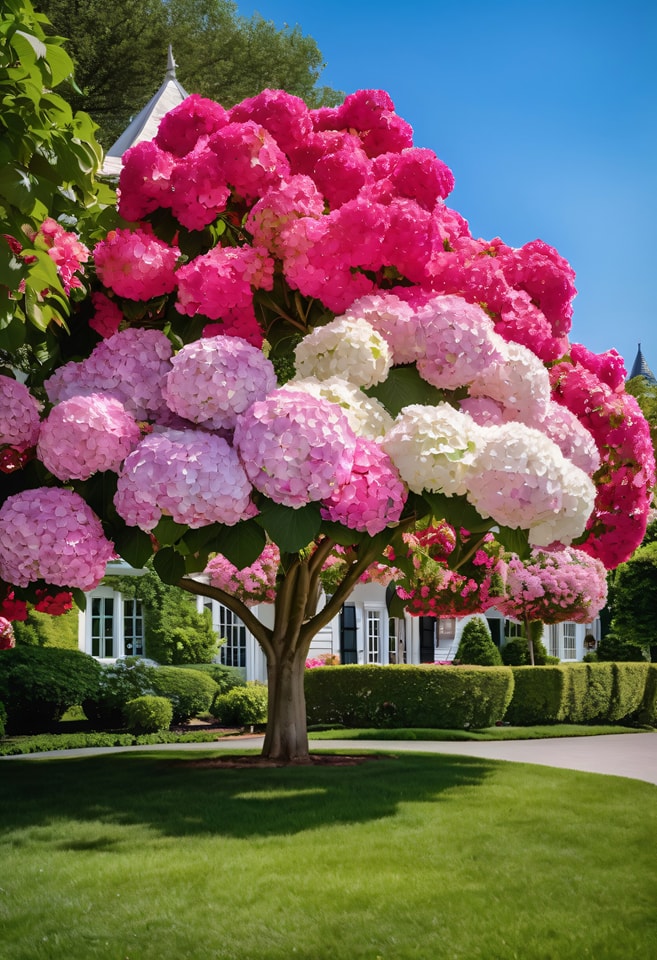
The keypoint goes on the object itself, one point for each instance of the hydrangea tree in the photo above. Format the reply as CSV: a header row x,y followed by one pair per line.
x,y
296,354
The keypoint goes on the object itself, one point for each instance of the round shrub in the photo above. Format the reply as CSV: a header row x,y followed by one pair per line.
x,y
190,691
148,714
476,646
242,706
39,684
225,677
118,683
515,653
614,648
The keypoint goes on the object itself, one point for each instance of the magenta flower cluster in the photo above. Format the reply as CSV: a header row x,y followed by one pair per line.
x,y
51,534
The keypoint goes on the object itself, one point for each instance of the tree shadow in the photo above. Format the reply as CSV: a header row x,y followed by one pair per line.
x,y
177,797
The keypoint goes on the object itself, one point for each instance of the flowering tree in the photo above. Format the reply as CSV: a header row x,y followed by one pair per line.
x,y
299,347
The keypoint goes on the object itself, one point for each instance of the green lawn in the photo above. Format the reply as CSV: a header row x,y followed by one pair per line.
x,y
150,857
546,732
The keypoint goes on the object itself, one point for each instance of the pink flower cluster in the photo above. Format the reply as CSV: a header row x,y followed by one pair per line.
x,y
7,639
51,534
554,586
19,415
136,264
86,435
192,476
323,660
66,251
253,584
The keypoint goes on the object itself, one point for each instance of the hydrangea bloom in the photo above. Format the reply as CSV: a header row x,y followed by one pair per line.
x,y
131,366
66,252
521,479
373,497
352,349
192,476
367,417
107,318
145,181
196,118
394,319
136,264
86,435
214,380
7,639
554,586
434,448
51,534
19,415
253,584
295,448
221,280
519,382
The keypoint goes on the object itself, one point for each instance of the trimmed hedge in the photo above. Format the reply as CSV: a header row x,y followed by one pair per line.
x,y
578,693
242,706
118,683
190,691
148,714
647,712
441,697
39,684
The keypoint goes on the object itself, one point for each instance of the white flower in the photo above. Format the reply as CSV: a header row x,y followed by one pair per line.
x,y
367,417
350,348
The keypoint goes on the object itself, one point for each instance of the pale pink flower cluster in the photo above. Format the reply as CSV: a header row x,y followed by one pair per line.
x,y
373,497
131,366
86,435
253,584
434,448
554,586
395,319
215,379
348,348
192,476
51,534
367,417
7,639
19,415
295,448
66,251
136,264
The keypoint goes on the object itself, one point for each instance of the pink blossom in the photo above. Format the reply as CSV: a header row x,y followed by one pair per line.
x,y
54,604
200,190
145,180
554,586
19,415
251,160
86,435
11,608
196,118
415,173
51,534
253,584
283,115
107,318
7,639
135,264
373,497
66,251
222,280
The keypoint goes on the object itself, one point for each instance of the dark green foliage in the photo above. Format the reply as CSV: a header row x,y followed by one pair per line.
x,y
44,630
148,714
538,695
628,691
408,696
38,685
74,741
588,692
225,677
515,653
189,691
3,719
616,649
647,712
242,706
633,600
118,683
476,645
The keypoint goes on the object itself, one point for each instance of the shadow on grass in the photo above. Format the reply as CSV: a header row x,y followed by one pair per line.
x,y
177,798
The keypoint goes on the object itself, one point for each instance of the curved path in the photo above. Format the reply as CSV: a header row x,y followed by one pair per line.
x,y
631,755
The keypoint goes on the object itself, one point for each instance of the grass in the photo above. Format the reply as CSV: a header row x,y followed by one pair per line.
x,y
404,857
492,733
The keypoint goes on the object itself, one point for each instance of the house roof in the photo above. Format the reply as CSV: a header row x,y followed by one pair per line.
x,y
144,125
640,368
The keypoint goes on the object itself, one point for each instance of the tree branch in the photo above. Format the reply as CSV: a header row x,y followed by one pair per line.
x,y
262,633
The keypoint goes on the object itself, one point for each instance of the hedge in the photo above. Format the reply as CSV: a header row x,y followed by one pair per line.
x,y
242,706
538,695
148,714
191,692
647,712
442,697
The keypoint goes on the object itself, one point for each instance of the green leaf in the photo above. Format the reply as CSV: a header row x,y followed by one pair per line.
x,y
169,565
241,544
402,387
168,532
342,535
134,546
514,540
458,511
396,606
291,529
79,599
12,336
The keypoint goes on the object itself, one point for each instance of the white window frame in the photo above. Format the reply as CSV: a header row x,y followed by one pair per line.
x,y
570,635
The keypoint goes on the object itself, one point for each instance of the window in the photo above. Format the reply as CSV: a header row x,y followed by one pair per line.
x,y
446,630
373,636
569,647
102,627
553,640
232,653
133,628
512,628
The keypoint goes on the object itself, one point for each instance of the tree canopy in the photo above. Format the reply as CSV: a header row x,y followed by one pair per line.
x,y
120,48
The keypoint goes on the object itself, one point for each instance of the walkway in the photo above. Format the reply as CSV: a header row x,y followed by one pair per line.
x,y
631,755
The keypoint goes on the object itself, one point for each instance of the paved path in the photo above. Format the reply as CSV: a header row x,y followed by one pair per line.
x,y
631,755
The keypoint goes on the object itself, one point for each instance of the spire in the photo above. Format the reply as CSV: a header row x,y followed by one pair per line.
x,y
640,368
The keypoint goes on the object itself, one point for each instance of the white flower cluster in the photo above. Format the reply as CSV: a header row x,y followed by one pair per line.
x,y
347,348
367,417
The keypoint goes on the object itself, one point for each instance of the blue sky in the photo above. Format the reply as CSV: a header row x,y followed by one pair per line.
x,y
547,114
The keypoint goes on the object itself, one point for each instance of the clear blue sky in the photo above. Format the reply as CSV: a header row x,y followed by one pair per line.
x,y
545,111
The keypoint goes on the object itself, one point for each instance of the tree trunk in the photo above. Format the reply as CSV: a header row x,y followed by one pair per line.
x,y
287,736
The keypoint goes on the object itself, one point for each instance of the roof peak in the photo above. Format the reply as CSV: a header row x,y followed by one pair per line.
x,y
640,368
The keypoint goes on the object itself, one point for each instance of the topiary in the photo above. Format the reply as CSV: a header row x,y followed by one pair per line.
x,y
118,683
190,691
38,684
242,706
148,714
476,646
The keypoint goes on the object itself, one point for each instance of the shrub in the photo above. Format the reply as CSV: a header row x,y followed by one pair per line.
x,y
148,714
538,695
45,630
408,696
190,691
225,677
38,684
515,653
118,683
647,712
629,685
613,648
476,646
587,693
177,634
242,706
3,719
